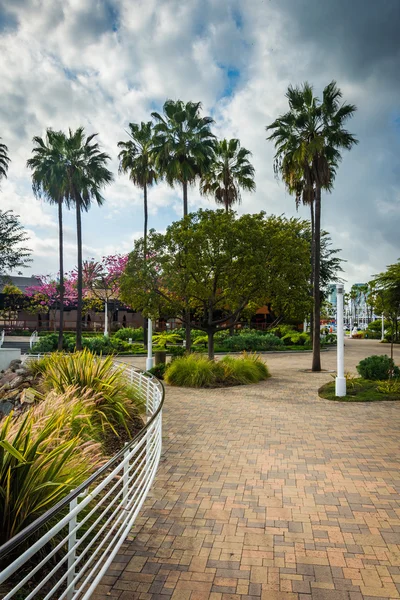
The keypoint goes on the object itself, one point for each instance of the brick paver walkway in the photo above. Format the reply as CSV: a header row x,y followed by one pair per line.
x,y
270,492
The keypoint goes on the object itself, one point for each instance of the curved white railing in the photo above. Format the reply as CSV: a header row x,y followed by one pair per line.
x,y
65,553
33,339
2,334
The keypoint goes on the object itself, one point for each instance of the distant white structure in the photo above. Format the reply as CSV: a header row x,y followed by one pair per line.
x,y
357,312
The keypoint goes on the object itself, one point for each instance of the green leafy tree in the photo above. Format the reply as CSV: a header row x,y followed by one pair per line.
x,y
13,300
4,160
229,173
308,140
386,290
47,164
13,255
183,144
81,171
217,265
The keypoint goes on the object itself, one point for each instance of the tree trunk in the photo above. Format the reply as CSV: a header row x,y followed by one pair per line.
x,y
185,198
312,268
61,258
316,360
145,255
79,282
210,335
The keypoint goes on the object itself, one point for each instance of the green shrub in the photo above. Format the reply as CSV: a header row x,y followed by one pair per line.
x,y
330,338
158,371
282,330
84,371
252,342
196,370
296,338
176,351
127,333
39,464
165,337
377,367
45,344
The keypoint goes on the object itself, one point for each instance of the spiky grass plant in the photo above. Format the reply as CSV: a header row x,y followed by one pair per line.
x,y
114,401
40,462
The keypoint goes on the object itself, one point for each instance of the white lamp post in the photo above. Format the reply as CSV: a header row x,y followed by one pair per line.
x,y
105,317
340,383
383,328
149,359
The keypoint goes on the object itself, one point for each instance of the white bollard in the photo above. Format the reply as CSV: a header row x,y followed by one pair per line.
x,y
340,382
149,359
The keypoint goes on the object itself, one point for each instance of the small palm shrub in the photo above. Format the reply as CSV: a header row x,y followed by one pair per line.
x,y
40,462
196,370
165,337
252,342
378,367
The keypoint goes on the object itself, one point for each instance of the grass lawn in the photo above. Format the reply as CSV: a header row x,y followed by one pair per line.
x,y
360,390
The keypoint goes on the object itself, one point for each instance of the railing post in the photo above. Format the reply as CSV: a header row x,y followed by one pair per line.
x,y
125,479
71,548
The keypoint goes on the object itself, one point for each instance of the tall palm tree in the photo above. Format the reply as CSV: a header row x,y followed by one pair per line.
x,y
183,150
229,173
183,144
81,172
47,165
4,160
308,141
136,159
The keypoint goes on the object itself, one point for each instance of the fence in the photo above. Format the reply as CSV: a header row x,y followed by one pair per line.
x,y
65,553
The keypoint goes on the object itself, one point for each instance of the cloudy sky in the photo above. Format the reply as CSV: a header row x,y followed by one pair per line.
x,y
104,63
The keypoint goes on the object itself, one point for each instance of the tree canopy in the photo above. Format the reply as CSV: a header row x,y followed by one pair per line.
x,y
13,254
213,264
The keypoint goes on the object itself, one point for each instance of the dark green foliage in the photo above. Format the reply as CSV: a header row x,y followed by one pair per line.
x,y
12,255
158,371
176,351
46,344
377,368
252,342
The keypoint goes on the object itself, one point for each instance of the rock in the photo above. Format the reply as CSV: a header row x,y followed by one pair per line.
x,y
16,382
6,408
14,364
21,371
28,396
8,377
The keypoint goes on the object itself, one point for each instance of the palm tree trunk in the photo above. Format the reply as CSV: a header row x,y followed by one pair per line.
x,y
185,198
145,255
61,258
312,267
79,283
316,360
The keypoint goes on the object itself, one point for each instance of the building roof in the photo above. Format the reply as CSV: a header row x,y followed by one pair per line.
x,y
20,282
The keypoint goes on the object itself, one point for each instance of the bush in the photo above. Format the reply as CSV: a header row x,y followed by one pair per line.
x,y
282,330
127,333
114,406
330,338
377,367
296,338
40,463
176,351
251,342
165,337
196,370
158,371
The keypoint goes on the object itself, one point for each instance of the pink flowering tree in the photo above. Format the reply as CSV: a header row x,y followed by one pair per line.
x,y
45,297
102,280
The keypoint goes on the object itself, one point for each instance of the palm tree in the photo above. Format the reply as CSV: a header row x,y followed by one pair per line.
x,y
137,160
229,172
80,171
47,164
308,140
183,144
183,150
4,160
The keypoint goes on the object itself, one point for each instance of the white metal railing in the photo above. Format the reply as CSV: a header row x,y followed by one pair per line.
x,y
33,339
65,553
2,334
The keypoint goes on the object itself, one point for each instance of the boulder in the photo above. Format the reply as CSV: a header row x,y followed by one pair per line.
x,y
6,408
